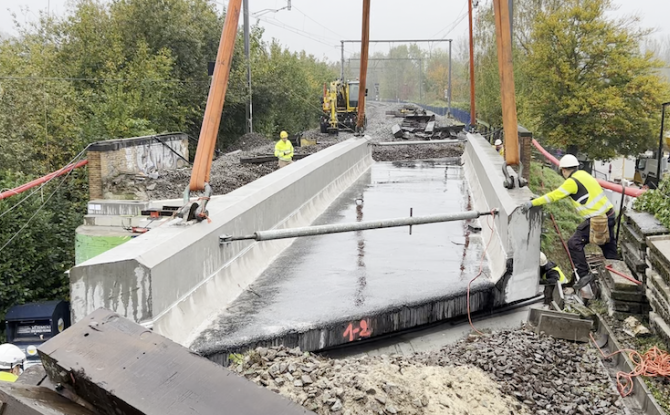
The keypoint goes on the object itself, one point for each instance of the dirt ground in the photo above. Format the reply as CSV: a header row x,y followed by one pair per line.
x,y
229,174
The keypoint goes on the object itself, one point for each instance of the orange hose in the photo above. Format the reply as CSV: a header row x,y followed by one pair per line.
x,y
654,362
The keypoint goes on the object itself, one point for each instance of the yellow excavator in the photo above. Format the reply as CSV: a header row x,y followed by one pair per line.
x,y
340,106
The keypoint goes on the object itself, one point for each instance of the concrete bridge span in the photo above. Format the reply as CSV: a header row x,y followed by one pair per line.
x,y
179,281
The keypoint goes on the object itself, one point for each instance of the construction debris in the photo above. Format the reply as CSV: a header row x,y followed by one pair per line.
x,y
532,374
382,385
634,328
423,125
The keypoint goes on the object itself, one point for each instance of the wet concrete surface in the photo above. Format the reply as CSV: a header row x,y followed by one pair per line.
x,y
361,284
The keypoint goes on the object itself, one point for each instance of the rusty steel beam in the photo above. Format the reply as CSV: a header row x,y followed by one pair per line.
x,y
506,72
365,44
202,164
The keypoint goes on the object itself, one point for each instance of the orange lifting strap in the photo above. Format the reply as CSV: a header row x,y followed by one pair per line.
x,y
202,164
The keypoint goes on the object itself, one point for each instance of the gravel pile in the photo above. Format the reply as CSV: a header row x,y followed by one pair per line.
x,y
249,142
508,372
384,385
549,376
228,174
424,151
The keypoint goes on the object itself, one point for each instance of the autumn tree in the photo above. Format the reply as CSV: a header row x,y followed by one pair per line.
x,y
592,87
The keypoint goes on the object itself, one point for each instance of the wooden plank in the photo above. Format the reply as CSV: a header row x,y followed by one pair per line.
x,y
121,367
21,399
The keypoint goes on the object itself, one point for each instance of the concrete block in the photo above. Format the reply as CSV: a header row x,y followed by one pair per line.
x,y
122,367
562,327
660,305
633,259
117,207
430,127
645,223
397,131
514,254
535,313
660,327
20,399
661,286
659,265
659,254
174,278
628,234
616,295
617,282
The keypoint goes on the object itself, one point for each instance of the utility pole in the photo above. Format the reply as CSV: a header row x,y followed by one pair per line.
x,y
365,43
449,85
247,52
342,59
473,119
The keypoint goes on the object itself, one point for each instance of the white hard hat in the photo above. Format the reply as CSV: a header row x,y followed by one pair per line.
x,y
543,259
10,356
568,161
498,142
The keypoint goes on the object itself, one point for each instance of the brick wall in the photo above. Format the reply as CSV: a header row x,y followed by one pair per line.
x,y
140,156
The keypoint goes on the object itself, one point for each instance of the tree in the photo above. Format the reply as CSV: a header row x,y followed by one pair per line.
x,y
592,87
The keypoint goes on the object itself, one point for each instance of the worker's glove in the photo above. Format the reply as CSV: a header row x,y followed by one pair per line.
x,y
525,207
287,151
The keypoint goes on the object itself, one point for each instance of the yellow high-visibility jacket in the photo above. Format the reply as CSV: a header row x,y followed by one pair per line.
x,y
8,377
587,196
284,150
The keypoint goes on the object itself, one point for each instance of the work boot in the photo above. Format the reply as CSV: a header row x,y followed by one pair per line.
x,y
583,282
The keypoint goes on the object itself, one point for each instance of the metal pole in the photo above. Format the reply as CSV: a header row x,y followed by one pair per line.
x,y
247,54
355,226
660,146
449,87
365,37
342,52
511,18
473,119
420,80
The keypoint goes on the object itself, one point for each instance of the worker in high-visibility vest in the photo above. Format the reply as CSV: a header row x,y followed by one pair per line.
x,y
550,275
284,150
590,201
11,362
499,147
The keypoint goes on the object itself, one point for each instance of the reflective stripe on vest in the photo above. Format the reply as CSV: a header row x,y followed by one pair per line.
x,y
8,377
590,199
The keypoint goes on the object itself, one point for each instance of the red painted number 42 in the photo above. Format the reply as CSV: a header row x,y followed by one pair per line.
x,y
357,330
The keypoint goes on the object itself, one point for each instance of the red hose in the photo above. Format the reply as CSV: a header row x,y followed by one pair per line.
x,y
604,183
37,182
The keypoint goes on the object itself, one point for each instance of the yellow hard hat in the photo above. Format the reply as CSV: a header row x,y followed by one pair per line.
x,y
283,134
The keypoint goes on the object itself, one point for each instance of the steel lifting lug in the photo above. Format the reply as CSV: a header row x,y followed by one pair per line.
x,y
509,179
522,182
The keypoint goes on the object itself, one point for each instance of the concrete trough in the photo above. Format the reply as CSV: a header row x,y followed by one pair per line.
x,y
173,278
331,290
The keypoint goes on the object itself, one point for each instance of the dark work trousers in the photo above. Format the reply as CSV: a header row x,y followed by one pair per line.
x,y
579,240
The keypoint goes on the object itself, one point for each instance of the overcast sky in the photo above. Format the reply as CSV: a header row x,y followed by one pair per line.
x,y
317,26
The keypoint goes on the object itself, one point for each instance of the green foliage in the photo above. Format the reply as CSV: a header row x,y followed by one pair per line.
x,y
592,86
119,69
656,202
544,180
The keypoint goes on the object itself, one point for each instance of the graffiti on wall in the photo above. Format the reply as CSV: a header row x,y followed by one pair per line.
x,y
154,157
